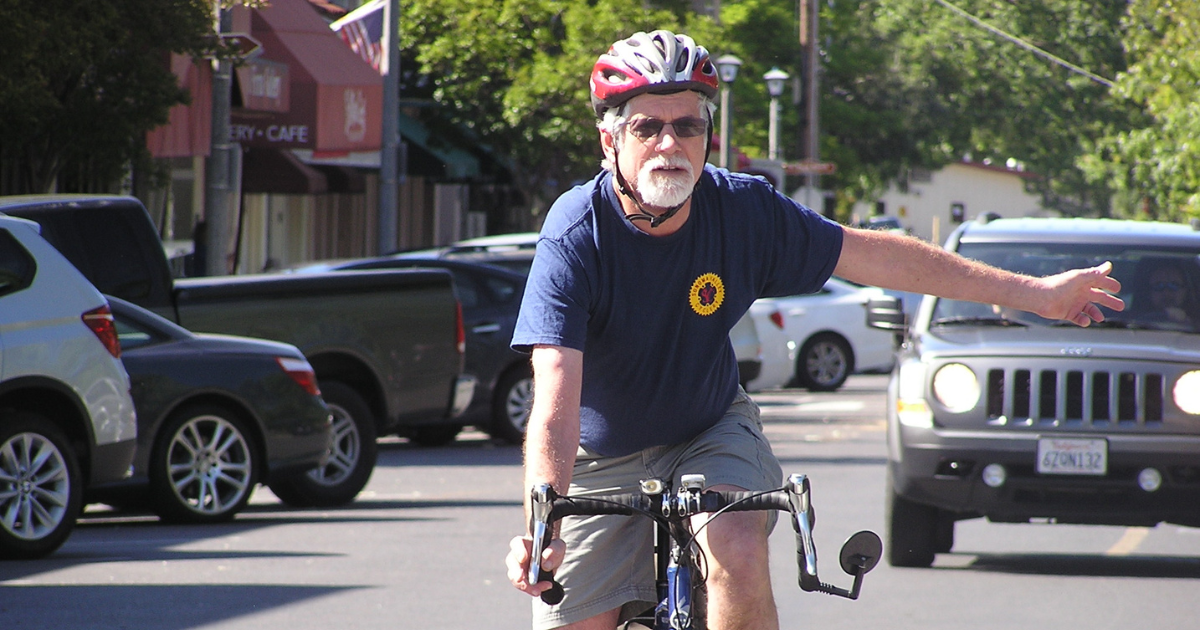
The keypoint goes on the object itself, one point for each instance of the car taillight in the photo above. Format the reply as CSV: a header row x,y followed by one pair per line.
x,y
301,372
460,335
100,321
776,318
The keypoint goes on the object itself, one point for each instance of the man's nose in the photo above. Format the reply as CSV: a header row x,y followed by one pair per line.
x,y
667,142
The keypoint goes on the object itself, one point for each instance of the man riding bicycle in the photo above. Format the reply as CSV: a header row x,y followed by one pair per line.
x,y
644,270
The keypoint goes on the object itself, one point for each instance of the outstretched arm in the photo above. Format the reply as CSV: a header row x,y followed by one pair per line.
x,y
904,263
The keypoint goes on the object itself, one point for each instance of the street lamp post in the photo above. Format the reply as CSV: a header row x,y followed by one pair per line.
x,y
727,68
775,80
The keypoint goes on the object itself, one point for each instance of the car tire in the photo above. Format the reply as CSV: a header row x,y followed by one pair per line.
x,y
203,466
43,487
347,464
912,530
510,404
824,363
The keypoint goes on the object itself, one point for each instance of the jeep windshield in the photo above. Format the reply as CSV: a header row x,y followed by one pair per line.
x,y
1160,287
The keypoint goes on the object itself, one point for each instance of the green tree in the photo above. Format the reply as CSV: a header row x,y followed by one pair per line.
x,y
956,88
81,83
1155,167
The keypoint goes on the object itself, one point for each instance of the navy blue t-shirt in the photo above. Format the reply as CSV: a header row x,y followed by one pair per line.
x,y
652,314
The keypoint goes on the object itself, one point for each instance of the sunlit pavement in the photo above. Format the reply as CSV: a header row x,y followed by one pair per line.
x,y
856,411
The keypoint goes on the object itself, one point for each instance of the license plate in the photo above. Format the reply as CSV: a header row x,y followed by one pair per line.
x,y
1067,456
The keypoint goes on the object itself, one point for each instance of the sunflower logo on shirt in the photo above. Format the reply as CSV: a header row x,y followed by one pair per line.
x,y
707,294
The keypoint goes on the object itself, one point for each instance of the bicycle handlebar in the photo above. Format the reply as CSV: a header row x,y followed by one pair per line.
x,y
859,555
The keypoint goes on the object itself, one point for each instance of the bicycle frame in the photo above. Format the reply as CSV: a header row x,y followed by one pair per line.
x,y
678,570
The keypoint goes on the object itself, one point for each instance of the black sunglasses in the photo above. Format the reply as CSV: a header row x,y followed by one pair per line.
x,y
687,127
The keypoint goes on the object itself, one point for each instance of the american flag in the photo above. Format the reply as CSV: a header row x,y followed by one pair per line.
x,y
362,30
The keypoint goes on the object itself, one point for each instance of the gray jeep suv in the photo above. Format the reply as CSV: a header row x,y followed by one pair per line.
x,y
1012,417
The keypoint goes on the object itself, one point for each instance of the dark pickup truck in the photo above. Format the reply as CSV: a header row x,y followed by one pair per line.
x,y
387,346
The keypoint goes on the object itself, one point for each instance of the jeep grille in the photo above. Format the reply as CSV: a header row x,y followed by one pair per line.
x,y
1025,397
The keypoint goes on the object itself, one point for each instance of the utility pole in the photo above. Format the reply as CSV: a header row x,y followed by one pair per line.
x,y
809,12
216,171
814,71
389,146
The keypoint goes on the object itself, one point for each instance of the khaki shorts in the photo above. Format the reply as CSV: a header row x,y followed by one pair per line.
x,y
609,561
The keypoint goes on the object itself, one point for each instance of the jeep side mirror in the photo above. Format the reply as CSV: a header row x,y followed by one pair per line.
x,y
887,313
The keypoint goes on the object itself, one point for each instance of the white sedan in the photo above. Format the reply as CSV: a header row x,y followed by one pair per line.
x,y
822,338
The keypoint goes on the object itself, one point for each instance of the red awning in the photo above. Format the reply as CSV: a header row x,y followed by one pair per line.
x,y
335,98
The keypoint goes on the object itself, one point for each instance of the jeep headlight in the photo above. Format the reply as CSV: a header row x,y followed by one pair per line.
x,y
1187,392
911,408
955,386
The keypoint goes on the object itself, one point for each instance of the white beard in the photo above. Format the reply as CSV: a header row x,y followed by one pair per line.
x,y
665,189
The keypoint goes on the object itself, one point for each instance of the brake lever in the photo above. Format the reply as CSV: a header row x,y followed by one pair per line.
x,y
803,521
541,502
860,554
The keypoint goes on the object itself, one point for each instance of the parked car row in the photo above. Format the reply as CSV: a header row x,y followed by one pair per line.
x,y
103,401
386,345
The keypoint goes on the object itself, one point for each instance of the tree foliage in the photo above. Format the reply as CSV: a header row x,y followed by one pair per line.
x,y
961,89
81,82
1155,166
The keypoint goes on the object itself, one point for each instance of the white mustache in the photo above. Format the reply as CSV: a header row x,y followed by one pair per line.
x,y
668,162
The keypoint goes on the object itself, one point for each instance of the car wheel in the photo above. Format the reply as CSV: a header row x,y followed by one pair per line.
x,y
912,530
203,467
824,363
347,465
510,405
41,492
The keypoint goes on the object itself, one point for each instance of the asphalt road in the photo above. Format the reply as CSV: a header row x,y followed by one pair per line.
x,y
423,546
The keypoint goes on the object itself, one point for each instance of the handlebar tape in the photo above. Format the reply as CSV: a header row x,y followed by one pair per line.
x,y
554,594
744,501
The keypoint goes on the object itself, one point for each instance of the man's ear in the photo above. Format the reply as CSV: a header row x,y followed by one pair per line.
x,y
606,145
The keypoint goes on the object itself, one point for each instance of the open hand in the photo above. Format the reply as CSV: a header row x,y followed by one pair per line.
x,y
1077,295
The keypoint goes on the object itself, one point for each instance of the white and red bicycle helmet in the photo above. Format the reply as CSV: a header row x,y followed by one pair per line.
x,y
658,62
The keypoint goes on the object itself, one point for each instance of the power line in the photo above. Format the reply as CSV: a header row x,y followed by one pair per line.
x,y
1028,46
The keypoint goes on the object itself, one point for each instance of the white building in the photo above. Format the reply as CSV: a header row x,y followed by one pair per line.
x,y
936,202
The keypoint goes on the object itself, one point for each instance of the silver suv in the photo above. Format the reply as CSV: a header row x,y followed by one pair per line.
x,y
1011,417
66,416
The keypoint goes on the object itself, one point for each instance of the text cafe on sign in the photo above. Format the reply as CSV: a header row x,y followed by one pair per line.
x,y
297,135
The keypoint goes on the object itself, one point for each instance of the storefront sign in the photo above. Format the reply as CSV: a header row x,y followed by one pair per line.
x,y
264,85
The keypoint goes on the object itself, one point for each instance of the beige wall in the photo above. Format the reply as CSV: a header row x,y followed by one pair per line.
x,y
925,208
